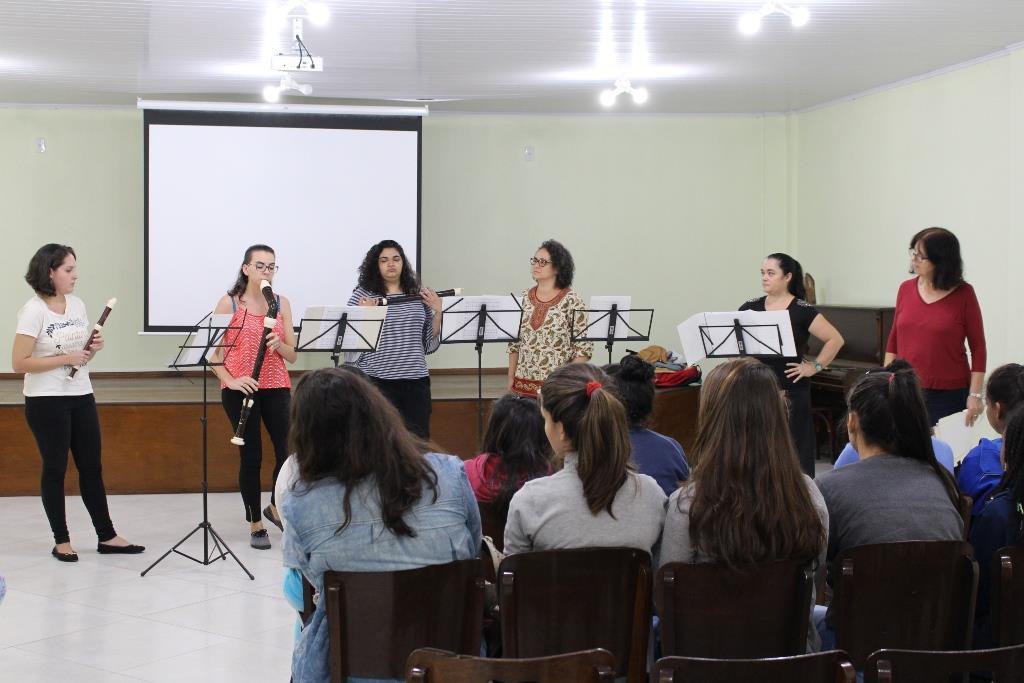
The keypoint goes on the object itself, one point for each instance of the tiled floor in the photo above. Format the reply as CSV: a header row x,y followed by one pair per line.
x,y
98,620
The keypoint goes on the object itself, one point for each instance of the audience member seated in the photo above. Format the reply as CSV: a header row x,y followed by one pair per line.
x,y
368,497
656,455
897,490
981,470
943,453
515,450
999,522
748,503
597,499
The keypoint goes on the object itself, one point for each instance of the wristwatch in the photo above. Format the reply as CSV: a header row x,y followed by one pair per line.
x,y
818,367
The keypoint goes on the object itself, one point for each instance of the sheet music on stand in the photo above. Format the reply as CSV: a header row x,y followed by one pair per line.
x,y
608,321
205,335
341,329
728,334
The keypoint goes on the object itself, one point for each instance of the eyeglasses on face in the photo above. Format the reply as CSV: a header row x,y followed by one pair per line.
x,y
539,262
915,255
266,267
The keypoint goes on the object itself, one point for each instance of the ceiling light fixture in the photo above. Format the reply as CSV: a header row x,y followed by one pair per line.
x,y
750,23
608,97
317,12
272,93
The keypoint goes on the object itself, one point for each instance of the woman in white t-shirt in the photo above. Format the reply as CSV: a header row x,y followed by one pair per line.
x,y
61,412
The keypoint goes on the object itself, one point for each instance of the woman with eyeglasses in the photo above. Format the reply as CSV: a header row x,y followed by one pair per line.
x,y
545,338
782,280
411,331
271,393
935,312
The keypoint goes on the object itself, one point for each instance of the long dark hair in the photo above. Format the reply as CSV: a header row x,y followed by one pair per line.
x,y
370,278
750,500
242,281
790,266
891,414
1006,387
1013,456
515,433
634,380
341,426
48,257
943,250
597,427
562,262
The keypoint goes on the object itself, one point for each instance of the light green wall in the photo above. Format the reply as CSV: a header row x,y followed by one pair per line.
x,y
655,207
944,151
675,211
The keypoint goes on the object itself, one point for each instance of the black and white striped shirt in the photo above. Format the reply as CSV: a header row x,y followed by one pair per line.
x,y
405,340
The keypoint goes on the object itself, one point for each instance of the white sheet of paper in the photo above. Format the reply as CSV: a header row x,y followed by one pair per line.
x,y
362,320
460,324
702,333
597,323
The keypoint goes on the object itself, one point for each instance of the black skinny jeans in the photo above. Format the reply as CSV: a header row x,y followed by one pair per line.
x,y
270,406
412,399
60,423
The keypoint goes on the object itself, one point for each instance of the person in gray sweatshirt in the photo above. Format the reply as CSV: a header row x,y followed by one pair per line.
x,y
897,491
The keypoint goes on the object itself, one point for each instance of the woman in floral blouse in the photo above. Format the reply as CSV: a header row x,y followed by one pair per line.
x,y
545,337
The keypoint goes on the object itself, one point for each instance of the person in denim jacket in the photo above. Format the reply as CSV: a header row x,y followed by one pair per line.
x,y
367,498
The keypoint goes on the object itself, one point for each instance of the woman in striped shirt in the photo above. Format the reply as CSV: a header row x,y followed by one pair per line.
x,y
411,330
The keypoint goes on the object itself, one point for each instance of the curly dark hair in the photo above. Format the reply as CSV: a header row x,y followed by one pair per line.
x,y
49,257
369,270
634,379
943,250
562,262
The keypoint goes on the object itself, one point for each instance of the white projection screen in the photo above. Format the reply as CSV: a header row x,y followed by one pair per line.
x,y
320,190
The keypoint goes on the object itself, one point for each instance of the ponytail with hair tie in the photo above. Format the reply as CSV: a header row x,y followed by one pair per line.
x,y
593,386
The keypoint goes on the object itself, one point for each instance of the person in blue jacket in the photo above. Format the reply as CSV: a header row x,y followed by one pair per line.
x,y
981,470
1000,522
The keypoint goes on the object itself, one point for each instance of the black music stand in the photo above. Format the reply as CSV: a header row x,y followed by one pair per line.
x,y
732,334
205,335
605,325
338,330
480,320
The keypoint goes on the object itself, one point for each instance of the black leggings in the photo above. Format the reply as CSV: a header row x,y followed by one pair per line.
x,y
801,427
60,423
412,398
270,405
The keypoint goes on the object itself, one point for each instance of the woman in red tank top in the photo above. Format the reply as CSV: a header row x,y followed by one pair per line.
x,y
271,394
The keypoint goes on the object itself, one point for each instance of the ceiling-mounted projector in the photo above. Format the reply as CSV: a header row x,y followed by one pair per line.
x,y
292,62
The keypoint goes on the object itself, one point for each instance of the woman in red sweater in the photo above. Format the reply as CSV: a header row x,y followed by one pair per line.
x,y
935,312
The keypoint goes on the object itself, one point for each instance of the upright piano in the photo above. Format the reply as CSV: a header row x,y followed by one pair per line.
x,y
865,330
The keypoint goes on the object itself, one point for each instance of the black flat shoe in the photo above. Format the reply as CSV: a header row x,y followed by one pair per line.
x,y
130,549
276,521
64,557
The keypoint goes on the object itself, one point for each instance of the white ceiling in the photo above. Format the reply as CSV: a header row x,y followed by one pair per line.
x,y
530,56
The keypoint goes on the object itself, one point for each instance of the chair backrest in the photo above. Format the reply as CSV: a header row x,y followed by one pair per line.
x,y
966,505
308,601
822,667
493,523
428,665
376,619
913,595
1007,581
559,601
921,666
707,610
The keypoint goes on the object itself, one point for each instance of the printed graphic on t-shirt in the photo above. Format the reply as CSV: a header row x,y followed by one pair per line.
x,y
67,335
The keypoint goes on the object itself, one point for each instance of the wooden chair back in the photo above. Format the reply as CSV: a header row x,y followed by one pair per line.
x,y
912,595
375,619
707,610
1007,582
559,601
427,665
833,666
918,666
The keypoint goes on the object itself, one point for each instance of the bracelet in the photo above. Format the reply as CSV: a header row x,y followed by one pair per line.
x,y
977,396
